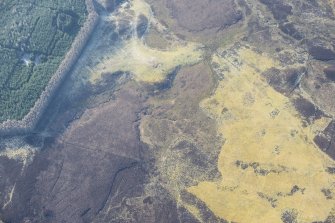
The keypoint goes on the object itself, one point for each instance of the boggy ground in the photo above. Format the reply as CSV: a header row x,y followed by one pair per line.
x,y
166,118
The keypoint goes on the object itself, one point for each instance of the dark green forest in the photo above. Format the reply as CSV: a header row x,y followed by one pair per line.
x,y
34,37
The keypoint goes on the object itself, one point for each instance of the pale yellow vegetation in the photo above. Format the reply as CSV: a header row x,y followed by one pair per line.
x,y
264,131
147,64
332,5
20,153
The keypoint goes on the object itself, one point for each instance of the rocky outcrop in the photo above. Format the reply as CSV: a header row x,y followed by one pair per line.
x,y
28,123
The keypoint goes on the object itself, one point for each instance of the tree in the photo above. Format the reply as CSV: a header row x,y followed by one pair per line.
x,y
65,22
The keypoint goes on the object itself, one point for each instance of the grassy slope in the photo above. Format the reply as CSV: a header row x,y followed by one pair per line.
x,y
264,158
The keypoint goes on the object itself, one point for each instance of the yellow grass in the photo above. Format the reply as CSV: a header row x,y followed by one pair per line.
x,y
22,154
144,63
147,64
243,104
332,5
193,210
141,7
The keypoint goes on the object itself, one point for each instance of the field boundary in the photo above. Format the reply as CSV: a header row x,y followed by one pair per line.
x,y
28,123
